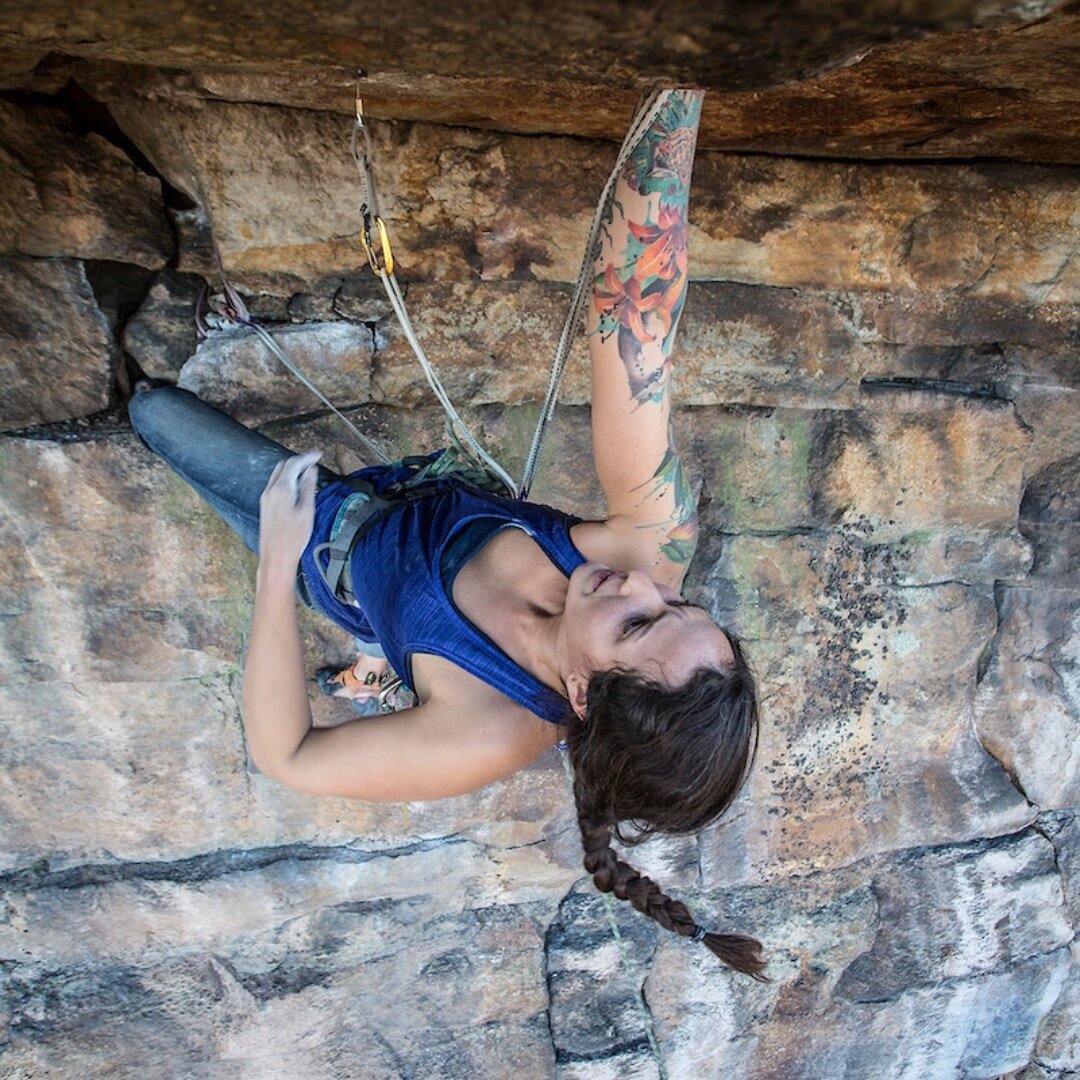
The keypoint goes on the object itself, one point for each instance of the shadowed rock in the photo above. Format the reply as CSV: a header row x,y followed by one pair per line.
x,y
58,352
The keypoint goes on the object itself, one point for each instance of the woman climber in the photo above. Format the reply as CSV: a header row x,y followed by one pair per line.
x,y
513,623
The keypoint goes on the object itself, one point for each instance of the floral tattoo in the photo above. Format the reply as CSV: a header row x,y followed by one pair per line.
x,y
640,295
650,283
683,523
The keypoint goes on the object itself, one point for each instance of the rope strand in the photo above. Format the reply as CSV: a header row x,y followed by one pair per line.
x,y
647,111
280,353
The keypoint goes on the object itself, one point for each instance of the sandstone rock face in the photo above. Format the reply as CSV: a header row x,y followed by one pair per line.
x,y
58,353
462,204
984,78
1034,669
876,389
161,336
235,367
66,194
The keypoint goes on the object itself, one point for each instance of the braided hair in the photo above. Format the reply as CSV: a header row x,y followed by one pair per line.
x,y
664,760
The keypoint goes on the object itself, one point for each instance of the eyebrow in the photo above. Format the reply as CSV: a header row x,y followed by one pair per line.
x,y
672,605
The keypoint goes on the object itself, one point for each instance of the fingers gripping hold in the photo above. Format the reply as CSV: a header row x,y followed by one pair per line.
x,y
296,474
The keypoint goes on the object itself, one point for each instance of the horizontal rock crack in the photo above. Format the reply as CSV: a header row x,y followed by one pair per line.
x,y
960,980
951,387
204,867
631,1046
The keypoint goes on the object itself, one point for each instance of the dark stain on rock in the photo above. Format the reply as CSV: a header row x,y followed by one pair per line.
x,y
44,1004
857,606
287,978
198,868
455,963
1050,516
761,222
831,434
985,391
981,363
381,906
916,932
593,1017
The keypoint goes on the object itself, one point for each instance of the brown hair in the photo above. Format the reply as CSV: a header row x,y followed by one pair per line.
x,y
663,760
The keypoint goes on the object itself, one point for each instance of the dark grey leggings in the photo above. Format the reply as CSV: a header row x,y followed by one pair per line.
x,y
225,462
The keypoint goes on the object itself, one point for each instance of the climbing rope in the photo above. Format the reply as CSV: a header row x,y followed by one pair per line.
x,y
232,310
643,118
381,260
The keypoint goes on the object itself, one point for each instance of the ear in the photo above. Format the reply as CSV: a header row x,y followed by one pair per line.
x,y
577,686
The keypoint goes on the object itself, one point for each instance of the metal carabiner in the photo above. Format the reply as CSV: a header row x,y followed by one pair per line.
x,y
382,261
386,254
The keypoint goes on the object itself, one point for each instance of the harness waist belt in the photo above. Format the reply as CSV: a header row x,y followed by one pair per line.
x,y
357,511
360,509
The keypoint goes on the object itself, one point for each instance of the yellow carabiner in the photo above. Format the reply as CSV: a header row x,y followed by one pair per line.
x,y
386,253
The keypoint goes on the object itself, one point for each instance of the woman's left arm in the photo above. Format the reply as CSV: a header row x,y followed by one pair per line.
x,y
277,716
638,295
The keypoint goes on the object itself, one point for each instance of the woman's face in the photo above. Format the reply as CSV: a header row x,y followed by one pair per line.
x,y
616,617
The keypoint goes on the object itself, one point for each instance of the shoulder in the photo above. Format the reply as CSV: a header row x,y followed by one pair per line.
x,y
470,708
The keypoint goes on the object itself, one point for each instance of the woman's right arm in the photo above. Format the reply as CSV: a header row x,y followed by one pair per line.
x,y
435,750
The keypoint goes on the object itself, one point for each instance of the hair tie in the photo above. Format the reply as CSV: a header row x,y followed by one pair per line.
x,y
562,746
699,934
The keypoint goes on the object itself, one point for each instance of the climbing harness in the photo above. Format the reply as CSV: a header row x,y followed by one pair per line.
x,y
363,505
359,509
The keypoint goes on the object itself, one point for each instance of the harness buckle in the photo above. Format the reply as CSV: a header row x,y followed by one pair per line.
x,y
373,256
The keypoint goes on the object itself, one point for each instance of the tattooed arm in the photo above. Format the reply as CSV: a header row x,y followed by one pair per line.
x,y
638,293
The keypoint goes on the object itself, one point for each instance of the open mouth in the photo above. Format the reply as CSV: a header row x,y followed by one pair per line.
x,y
600,578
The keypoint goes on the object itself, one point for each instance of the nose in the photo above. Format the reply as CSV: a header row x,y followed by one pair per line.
x,y
638,583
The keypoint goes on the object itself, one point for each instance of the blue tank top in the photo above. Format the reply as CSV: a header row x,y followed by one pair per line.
x,y
403,571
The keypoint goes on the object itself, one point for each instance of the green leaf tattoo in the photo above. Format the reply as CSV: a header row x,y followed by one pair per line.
x,y
670,476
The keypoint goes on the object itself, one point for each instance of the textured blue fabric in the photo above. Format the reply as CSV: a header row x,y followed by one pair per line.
x,y
398,574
